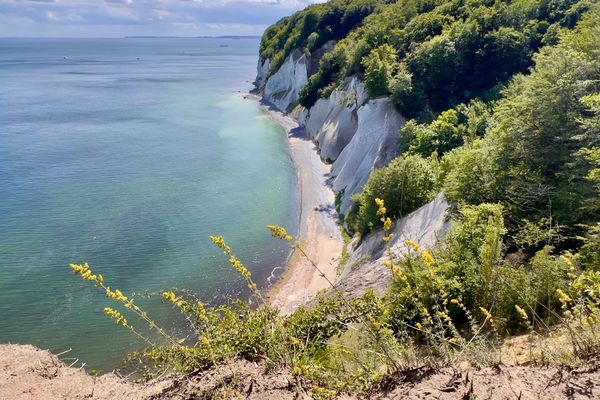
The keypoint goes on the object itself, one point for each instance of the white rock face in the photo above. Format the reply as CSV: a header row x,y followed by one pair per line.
x,y
374,144
332,122
283,87
366,270
358,135
262,72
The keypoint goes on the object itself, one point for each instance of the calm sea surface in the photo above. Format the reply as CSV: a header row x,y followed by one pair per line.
x,y
128,154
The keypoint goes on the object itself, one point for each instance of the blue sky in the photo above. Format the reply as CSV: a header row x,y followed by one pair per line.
x,y
117,18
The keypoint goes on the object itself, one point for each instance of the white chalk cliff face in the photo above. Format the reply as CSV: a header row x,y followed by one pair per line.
x,y
332,122
357,136
374,144
283,87
366,270
354,133
263,72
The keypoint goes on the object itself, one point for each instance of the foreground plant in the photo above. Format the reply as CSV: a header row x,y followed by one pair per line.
x,y
445,307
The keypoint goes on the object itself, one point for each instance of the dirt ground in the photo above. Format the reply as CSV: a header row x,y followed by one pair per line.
x,y
30,373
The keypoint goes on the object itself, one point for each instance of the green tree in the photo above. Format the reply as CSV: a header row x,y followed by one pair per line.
x,y
381,66
407,183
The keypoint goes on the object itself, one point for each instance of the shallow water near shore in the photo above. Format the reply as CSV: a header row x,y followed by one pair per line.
x,y
128,154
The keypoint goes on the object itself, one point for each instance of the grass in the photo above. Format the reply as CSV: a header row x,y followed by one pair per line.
x,y
346,254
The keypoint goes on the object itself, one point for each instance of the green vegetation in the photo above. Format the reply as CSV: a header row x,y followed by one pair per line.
x,y
535,156
311,28
450,306
451,129
511,138
346,253
534,150
430,55
405,184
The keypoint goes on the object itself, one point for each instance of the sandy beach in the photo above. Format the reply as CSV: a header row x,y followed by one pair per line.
x,y
319,234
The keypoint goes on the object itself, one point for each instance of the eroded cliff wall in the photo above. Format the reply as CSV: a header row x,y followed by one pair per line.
x,y
357,135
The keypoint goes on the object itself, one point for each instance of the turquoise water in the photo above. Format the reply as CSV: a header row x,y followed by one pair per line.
x,y
128,154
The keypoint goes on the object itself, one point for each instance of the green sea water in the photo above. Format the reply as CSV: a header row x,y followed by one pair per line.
x,y
128,154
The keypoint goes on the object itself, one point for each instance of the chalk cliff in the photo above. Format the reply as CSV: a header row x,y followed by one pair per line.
x,y
356,135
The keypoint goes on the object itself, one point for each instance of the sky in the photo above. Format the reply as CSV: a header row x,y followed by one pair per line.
x,y
118,18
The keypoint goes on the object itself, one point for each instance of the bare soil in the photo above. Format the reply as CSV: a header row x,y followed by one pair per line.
x,y
30,373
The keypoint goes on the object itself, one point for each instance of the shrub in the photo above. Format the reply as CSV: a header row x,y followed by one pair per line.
x,y
407,183
381,65
441,136
468,279
451,129
471,174
589,254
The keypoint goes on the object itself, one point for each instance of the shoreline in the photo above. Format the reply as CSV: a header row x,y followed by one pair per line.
x,y
318,231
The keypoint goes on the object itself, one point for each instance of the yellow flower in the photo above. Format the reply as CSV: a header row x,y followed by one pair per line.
x,y
116,316
201,312
84,271
563,298
116,295
381,210
205,342
220,243
428,258
279,232
387,224
486,313
592,319
567,259
175,300
443,316
238,266
412,244
522,313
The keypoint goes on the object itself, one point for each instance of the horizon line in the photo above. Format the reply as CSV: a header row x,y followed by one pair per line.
x,y
138,37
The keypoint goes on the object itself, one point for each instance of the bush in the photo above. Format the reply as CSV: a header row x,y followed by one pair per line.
x,y
468,279
471,175
442,135
451,129
381,65
407,183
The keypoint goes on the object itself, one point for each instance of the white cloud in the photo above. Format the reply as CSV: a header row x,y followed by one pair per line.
x,y
63,17
157,17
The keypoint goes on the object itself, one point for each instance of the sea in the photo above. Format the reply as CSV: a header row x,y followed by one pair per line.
x,y
128,154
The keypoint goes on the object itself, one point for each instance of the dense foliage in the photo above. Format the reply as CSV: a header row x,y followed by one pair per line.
x,y
311,28
537,156
429,54
534,150
405,184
